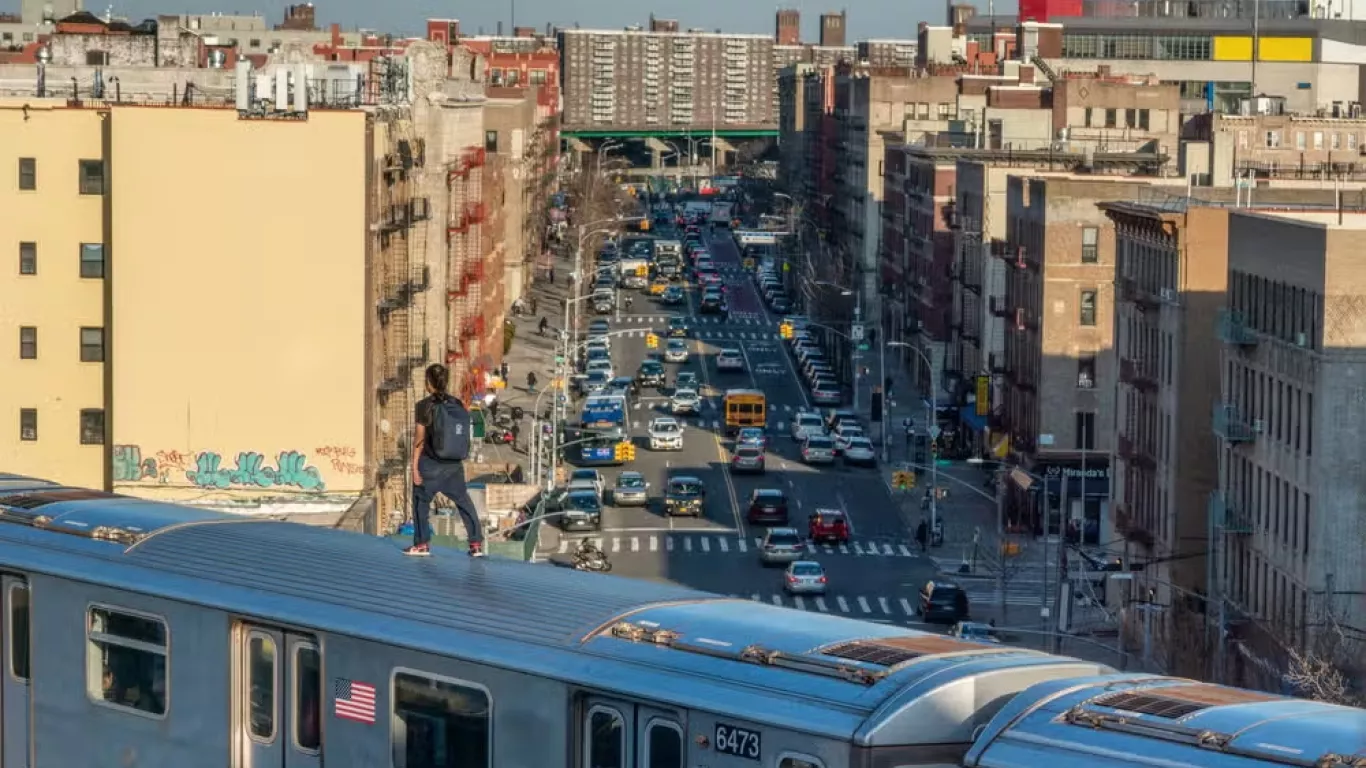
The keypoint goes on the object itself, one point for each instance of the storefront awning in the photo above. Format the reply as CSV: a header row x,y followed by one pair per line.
x,y
968,415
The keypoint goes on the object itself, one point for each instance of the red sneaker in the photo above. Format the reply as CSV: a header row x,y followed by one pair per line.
x,y
418,550
476,549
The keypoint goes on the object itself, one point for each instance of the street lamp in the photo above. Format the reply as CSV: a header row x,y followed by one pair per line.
x,y
931,424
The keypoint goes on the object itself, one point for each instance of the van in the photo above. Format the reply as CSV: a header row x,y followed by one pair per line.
x,y
943,602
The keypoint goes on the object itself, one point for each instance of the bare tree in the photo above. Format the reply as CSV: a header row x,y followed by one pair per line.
x,y
1324,671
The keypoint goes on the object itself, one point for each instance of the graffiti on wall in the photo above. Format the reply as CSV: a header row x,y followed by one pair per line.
x,y
208,469
343,458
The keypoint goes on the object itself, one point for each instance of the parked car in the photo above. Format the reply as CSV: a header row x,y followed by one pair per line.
x,y
818,449
805,424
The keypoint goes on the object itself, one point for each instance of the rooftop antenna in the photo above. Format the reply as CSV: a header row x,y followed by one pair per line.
x,y
109,13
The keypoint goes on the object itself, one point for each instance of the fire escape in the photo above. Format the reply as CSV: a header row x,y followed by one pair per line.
x,y
400,232
464,227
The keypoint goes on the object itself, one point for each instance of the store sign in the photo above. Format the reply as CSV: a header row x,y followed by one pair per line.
x,y
1091,478
983,395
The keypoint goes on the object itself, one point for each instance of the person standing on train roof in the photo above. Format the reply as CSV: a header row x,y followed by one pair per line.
x,y
440,446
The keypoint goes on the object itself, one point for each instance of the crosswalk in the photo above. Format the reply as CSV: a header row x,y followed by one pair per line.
x,y
1023,588
872,607
711,404
713,544
735,318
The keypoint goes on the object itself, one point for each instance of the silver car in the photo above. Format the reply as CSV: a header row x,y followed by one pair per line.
x,y
859,450
804,577
684,401
631,490
666,434
676,351
806,424
781,546
818,449
747,458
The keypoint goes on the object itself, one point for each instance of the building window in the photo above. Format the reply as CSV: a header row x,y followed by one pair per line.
x,y
1351,141
28,174
1300,141
491,141
92,260
1130,118
513,77
92,177
1111,118
28,343
28,258
92,345
1086,431
1273,139
1144,119
92,426
1090,118
1088,308
538,77
439,722
495,77
1086,371
126,660
254,42
28,424
1090,245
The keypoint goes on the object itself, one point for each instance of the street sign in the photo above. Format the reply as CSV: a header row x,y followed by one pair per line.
x,y
944,462
856,331
934,432
863,347
559,359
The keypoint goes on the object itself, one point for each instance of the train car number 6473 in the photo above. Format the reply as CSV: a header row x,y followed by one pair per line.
x,y
738,742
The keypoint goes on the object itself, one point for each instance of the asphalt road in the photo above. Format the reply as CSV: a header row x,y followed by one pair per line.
x,y
875,577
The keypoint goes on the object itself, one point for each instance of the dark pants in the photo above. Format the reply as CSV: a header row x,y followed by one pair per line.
x,y
448,480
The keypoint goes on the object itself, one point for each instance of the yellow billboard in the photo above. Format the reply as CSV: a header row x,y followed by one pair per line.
x,y
983,395
1285,49
1232,48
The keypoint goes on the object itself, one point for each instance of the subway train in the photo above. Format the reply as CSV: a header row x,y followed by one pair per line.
x,y
211,639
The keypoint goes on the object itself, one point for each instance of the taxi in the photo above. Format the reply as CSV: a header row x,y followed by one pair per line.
x,y
659,286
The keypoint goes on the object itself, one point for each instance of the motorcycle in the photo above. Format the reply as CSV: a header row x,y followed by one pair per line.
x,y
497,435
589,558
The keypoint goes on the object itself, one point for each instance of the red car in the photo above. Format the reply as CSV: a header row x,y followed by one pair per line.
x,y
768,506
828,525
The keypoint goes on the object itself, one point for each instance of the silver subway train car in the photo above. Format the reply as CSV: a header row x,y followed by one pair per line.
x,y
1145,721
147,634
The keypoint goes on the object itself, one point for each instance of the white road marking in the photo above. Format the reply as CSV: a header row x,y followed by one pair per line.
x,y
844,549
706,546
635,543
744,547
596,541
863,605
616,543
687,543
904,551
844,606
669,543
884,605
654,543
756,597
721,541
820,605
777,599
564,546
906,606
801,604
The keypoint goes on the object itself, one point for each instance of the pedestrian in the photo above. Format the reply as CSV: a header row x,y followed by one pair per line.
x,y
922,536
493,410
516,433
540,330
552,275
534,303
531,382
440,447
503,371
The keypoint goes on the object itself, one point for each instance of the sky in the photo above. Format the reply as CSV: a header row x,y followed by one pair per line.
x,y
868,19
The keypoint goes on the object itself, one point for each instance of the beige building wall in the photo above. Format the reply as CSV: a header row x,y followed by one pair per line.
x,y
239,304
55,300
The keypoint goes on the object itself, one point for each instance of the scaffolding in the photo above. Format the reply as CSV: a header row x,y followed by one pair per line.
x,y
403,276
464,236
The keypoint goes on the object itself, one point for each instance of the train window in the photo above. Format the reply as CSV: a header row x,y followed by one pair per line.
x,y
126,660
261,679
606,738
798,761
663,745
440,723
18,631
308,684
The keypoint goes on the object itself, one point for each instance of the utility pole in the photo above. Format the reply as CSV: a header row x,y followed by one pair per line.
x,y
855,341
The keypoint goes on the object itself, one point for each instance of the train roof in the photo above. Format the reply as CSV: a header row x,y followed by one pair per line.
x,y
1145,720
868,683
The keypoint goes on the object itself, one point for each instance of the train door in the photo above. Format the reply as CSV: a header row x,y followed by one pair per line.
x,y
14,691
624,734
277,684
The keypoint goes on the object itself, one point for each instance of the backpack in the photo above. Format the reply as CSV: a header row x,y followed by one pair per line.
x,y
449,437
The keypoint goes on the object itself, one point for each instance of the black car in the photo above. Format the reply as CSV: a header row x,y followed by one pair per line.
x,y
781,305
943,601
768,506
685,495
713,303
650,374
580,510
678,328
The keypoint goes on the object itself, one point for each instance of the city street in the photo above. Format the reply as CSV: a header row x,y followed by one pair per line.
x,y
876,576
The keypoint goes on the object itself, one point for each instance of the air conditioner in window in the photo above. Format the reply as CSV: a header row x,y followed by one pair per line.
x,y
1168,294
1301,340
1258,426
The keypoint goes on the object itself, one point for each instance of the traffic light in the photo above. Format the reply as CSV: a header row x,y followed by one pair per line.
x,y
785,330
875,413
934,448
652,341
903,480
625,452
642,271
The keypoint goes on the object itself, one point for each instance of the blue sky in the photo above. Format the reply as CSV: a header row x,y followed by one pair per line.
x,y
867,18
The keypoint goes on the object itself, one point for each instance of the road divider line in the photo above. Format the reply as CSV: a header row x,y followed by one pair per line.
x,y
564,546
744,547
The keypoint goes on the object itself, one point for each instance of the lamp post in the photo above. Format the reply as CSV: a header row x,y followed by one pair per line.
x,y
931,424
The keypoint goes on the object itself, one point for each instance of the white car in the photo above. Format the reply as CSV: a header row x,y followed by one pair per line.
x,y
587,479
845,434
818,449
806,424
666,434
684,401
676,351
859,450
825,394
730,360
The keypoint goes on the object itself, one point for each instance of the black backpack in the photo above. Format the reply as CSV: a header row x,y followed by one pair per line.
x,y
449,437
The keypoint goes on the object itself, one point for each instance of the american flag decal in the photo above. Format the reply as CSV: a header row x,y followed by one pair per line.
x,y
354,700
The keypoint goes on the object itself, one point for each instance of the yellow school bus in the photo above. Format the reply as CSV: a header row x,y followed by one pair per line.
x,y
745,408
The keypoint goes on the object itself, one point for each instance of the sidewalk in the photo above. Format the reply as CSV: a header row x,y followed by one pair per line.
x,y
531,352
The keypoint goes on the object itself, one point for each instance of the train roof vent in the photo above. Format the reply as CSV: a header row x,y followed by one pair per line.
x,y
891,651
43,498
1177,701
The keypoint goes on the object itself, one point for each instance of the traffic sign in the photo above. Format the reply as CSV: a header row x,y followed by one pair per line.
x,y
944,462
934,432
863,347
856,331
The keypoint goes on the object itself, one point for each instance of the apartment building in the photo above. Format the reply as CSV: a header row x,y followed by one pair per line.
x,y
832,29
1287,509
787,27
792,124
887,53
520,131
1059,362
638,80
1277,147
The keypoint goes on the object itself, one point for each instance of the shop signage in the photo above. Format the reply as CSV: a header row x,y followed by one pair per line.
x,y
1091,478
